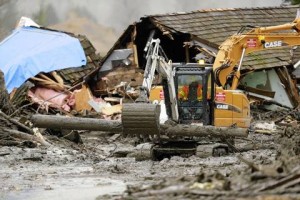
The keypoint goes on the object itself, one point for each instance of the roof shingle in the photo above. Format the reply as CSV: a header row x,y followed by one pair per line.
x,y
215,25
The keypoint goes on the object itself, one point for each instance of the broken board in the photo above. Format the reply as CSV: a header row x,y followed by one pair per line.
x,y
81,99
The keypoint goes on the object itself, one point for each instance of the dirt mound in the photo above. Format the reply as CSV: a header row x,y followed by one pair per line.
x,y
102,37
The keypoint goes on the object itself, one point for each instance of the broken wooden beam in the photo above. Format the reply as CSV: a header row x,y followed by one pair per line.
x,y
29,130
259,91
280,183
253,166
24,136
82,97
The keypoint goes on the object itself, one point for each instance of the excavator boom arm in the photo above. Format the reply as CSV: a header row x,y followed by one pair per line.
x,y
235,47
156,62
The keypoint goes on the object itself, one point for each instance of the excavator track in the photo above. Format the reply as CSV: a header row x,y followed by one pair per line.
x,y
143,119
140,119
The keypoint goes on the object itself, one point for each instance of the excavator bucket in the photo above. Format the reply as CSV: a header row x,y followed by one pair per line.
x,y
140,119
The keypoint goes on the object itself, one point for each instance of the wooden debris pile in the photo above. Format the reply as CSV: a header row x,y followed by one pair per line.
x,y
13,132
279,118
64,91
216,186
68,91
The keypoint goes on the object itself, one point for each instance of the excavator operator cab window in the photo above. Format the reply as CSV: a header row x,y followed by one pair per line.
x,y
190,88
194,100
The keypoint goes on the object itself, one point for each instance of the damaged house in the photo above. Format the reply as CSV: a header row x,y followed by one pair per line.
x,y
187,37
47,66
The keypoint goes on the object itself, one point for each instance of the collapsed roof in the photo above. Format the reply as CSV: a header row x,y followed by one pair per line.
x,y
205,30
212,27
185,37
28,51
31,50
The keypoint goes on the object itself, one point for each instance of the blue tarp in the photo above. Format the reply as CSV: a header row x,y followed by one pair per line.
x,y
29,51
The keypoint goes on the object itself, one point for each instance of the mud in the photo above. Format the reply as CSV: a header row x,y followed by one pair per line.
x,y
99,169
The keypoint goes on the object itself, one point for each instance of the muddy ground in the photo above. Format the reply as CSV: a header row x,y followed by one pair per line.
x,y
96,169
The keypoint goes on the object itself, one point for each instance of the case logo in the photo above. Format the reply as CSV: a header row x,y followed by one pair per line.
x,y
273,44
222,106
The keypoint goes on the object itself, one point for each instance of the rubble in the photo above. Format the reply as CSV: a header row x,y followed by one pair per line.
x,y
278,180
190,178
65,87
65,103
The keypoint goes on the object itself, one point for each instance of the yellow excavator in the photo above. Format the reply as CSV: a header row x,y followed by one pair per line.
x,y
232,51
212,100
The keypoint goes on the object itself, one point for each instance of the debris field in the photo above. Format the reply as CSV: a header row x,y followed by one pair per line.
x,y
62,135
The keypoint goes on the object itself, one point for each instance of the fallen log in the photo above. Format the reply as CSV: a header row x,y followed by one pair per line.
x,y
76,123
200,131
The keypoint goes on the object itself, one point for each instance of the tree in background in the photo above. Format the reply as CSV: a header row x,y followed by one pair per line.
x,y
2,2
293,2
46,15
8,17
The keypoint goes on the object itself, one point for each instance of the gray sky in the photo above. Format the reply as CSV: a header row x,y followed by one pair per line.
x,y
109,18
120,13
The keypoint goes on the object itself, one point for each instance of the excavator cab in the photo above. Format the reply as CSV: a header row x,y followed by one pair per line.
x,y
194,91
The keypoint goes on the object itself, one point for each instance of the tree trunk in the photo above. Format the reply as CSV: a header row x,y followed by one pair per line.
x,y
200,131
75,123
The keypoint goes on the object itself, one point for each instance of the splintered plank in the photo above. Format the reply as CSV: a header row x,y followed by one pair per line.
x,y
82,97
